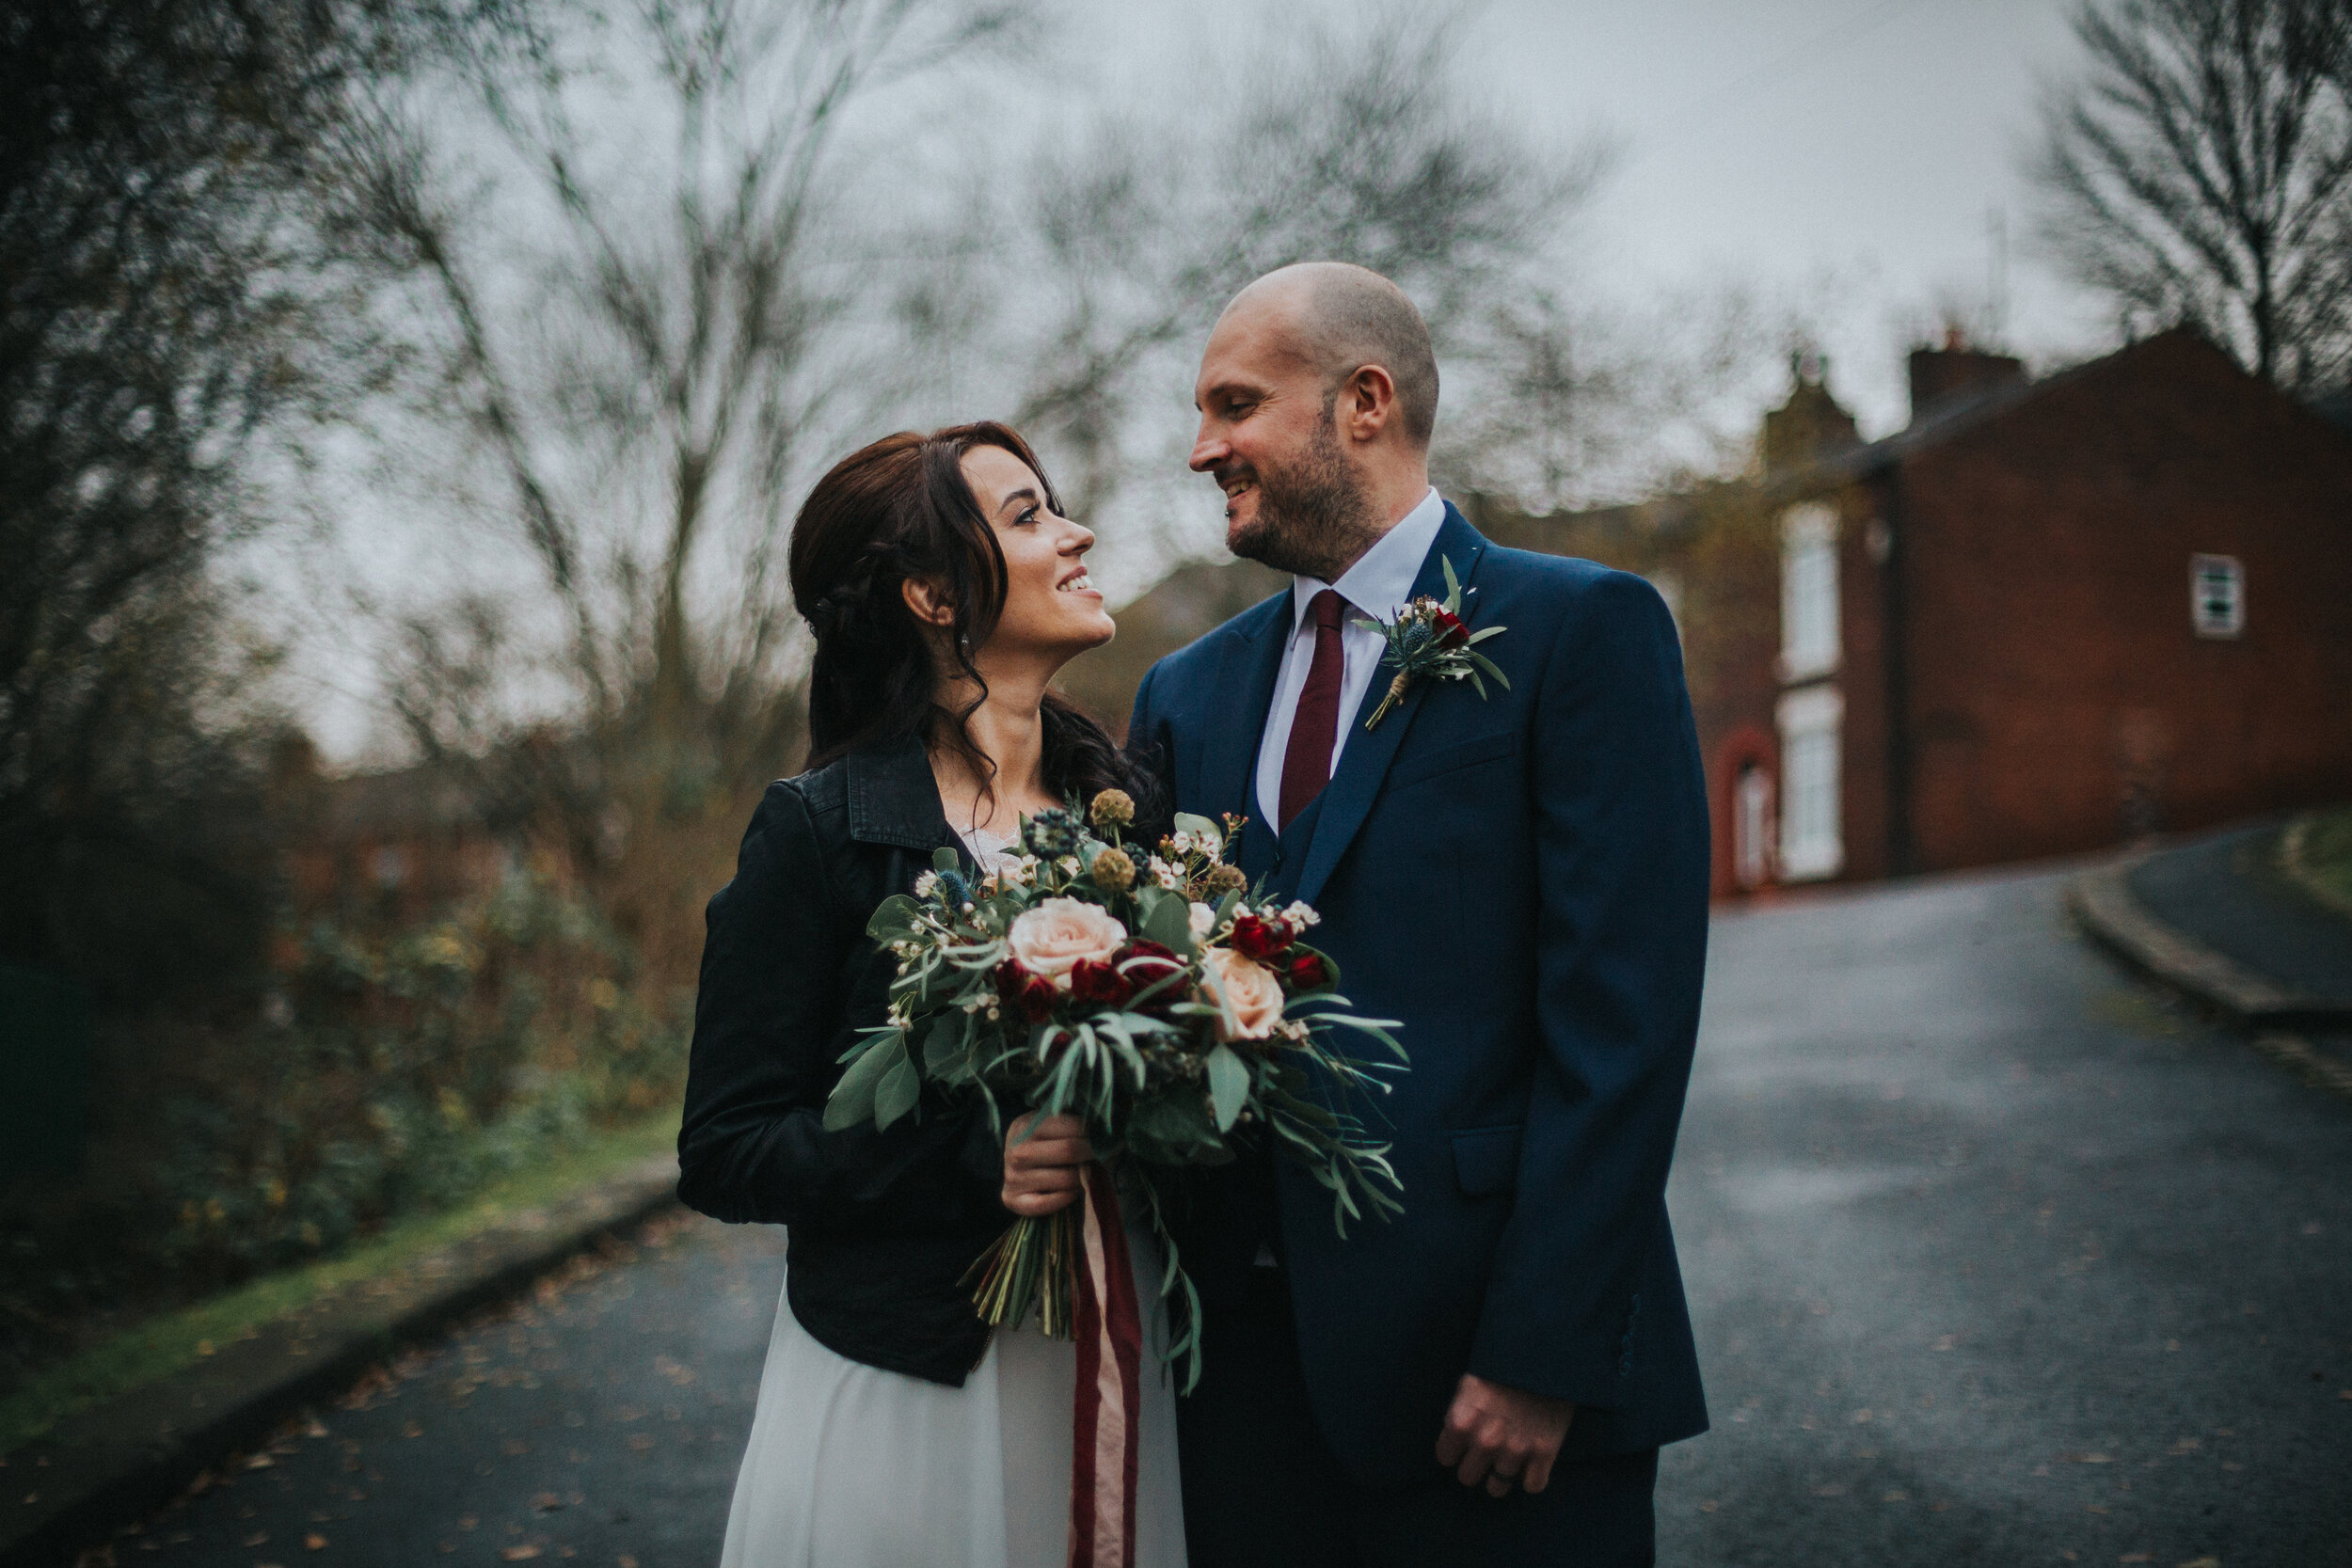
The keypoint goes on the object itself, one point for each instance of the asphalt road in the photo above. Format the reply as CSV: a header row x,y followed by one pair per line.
x,y
1994,1259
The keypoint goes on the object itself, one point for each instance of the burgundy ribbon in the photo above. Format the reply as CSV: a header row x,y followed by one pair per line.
x,y
1108,1321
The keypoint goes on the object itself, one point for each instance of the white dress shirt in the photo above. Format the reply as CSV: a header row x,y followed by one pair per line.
x,y
1375,587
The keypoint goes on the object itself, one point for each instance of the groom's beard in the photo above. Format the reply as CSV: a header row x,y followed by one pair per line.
x,y
1313,519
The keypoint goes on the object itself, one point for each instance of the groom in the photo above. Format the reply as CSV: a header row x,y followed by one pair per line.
x,y
1520,878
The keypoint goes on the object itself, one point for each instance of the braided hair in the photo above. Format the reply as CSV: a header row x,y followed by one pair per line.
x,y
897,510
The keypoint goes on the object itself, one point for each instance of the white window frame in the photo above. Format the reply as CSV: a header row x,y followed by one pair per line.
x,y
1812,768
2216,596
1809,633
1755,826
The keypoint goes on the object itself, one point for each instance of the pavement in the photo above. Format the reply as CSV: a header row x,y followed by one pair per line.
x,y
597,1419
2219,920
126,1454
1996,1257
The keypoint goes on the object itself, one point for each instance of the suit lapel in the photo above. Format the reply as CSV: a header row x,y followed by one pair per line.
x,y
1246,665
1364,763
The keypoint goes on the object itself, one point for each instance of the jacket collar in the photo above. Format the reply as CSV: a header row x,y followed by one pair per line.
x,y
894,799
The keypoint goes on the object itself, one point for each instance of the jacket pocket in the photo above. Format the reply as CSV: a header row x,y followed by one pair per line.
x,y
1469,753
1487,1160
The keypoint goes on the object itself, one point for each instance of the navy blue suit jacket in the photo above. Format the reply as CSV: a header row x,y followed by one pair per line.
x,y
1522,881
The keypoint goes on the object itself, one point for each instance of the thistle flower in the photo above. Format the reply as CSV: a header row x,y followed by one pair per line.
x,y
1113,869
1112,808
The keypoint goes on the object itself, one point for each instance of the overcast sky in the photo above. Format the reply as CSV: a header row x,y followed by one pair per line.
x,y
1841,156
1847,150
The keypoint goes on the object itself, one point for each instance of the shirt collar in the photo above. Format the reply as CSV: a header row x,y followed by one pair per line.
x,y
1382,577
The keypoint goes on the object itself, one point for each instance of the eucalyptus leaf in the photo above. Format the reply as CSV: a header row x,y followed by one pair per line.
x,y
852,1099
1169,924
1487,665
900,1086
1200,827
1229,1085
898,916
943,1045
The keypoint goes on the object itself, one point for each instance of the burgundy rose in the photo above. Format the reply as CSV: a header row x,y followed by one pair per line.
x,y
1143,963
1256,936
1020,992
1450,632
1304,971
1093,981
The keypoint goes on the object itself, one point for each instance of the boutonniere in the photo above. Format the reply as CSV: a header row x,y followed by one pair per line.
x,y
1430,640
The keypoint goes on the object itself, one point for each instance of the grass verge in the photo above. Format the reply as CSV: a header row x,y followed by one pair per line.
x,y
2317,850
176,1341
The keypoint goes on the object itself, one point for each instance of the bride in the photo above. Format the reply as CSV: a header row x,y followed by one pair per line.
x,y
894,1429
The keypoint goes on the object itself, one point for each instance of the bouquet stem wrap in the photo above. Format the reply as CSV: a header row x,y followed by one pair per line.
x,y
1109,1324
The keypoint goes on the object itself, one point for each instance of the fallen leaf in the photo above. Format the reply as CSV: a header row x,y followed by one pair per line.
x,y
641,1441
314,1542
260,1462
547,1502
316,1428
517,1554
258,1538
2137,1557
2186,1445
2202,1562
1709,1506
626,1561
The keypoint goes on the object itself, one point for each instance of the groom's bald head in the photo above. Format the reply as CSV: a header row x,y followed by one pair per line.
x,y
1340,318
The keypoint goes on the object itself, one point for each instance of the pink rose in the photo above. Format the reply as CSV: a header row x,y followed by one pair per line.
x,y
1060,933
1252,995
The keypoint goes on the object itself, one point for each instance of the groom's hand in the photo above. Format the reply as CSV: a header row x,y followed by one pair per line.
x,y
1499,1435
1042,1170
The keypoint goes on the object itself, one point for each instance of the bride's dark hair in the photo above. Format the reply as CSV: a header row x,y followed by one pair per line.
x,y
900,510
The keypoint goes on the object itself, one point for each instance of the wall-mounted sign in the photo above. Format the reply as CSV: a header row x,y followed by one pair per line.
x,y
2217,595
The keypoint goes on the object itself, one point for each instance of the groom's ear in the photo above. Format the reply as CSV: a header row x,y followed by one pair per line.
x,y
928,606
1366,405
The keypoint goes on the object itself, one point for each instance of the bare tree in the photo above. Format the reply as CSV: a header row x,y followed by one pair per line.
x,y
1361,146
701,299
174,289
2200,171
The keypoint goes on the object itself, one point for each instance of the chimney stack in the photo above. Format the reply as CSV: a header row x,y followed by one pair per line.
x,y
1811,423
1956,371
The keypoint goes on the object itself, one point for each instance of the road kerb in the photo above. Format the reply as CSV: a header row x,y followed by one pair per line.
x,y
108,1465
2102,903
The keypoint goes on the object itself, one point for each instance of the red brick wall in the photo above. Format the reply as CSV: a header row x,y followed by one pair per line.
x,y
2050,642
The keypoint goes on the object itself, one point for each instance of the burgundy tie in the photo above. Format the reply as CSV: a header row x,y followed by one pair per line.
x,y
1307,760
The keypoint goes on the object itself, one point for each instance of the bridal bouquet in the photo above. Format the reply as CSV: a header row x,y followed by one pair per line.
x,y
1149,993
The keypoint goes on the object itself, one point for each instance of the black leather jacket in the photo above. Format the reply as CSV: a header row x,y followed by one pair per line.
x,y
883,1225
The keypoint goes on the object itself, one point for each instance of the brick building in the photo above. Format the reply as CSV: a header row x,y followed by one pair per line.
x,y
2045,617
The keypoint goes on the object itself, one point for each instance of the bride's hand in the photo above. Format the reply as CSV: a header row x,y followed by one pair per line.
x,y
1042,1170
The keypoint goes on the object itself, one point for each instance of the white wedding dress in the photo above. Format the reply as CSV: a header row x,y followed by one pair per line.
x,y
852,1467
